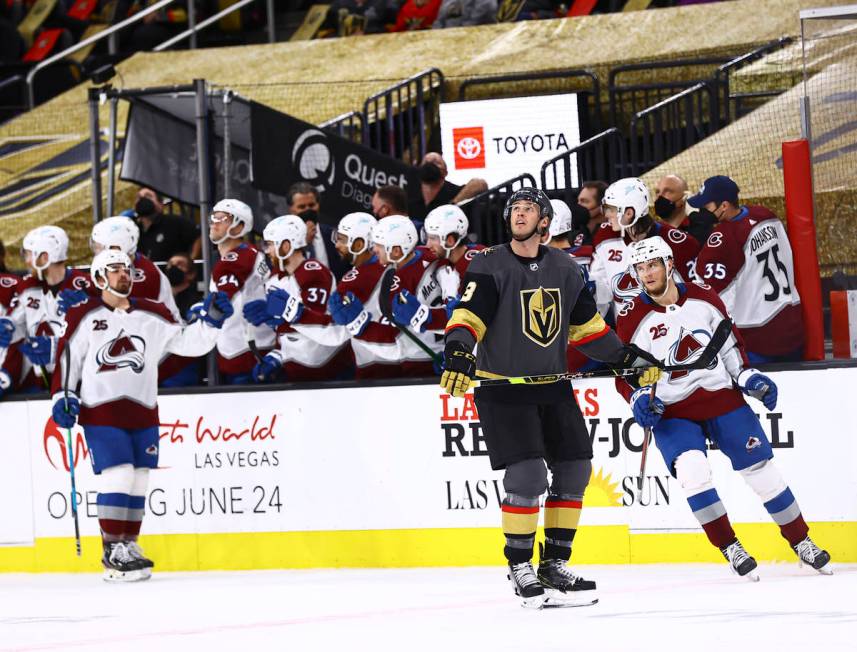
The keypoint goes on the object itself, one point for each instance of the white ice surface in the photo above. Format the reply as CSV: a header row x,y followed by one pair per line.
x,y
652,607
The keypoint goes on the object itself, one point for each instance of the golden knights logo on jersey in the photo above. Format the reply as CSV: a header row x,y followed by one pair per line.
x,y
540,313
122,351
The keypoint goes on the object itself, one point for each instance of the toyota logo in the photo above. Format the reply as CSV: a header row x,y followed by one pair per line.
x,y
469,147
312,158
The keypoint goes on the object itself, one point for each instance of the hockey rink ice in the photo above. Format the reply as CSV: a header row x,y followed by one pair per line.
x,y
644,607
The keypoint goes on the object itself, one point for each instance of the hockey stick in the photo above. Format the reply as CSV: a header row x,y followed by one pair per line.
x,y
705,358
71,454
385,304
647,437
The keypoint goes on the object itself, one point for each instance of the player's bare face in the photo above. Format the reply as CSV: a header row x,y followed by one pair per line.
x,y
611,214
381,253
433,242
218,224
653,276
119,278
524,220
341,244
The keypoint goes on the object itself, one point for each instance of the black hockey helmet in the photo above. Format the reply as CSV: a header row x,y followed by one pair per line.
x,y
528,194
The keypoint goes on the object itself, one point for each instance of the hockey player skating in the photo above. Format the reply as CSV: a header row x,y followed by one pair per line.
x,y
297,293
522,303
110,349
673,321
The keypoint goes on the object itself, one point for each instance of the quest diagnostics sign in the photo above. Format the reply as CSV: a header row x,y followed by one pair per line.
x,y
500,139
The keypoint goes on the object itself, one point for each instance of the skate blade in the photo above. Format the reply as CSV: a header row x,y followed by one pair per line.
x,y
752,576
536,602
112,575
827,569
557,599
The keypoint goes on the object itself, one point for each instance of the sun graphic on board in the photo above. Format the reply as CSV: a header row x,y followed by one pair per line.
x,y
602,491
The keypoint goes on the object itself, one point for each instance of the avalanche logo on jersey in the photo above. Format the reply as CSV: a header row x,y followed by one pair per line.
x,y
540,312
686,349
625,287
138,275
122,351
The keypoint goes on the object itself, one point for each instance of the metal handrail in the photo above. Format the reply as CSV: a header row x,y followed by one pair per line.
x,y
611,168
31,93
213,19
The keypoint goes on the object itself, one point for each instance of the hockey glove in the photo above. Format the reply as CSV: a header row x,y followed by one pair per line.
x,y
256,312
268,368
7,330
68,299
282,306
450,306
759,386
408,311
65,411
40,350
460,368
193,312
647,412
348,311
216,309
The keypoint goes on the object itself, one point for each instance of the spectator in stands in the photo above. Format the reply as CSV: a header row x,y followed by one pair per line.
x,y
437,191
352,17
163,236
305,202
389,200
539,9
181,273
590,197
748,260
671,207
416,14
460,13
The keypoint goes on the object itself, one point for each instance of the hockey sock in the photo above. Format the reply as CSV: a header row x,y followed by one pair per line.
x,y
786,513
562,514
766,481
520,520
112,515
711,514
137,504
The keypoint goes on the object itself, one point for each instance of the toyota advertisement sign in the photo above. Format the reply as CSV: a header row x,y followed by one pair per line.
x,y
500,139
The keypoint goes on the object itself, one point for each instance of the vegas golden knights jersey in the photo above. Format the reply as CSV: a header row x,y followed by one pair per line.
x,y
523,312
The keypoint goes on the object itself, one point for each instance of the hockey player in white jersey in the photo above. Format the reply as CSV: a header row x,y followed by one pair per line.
x,y
106,378
38,315
297,293
240,273
674,321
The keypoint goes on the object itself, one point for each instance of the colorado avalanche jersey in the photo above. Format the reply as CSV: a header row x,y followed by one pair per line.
x,y
241,274
304,357
151,283
437,316
11,360
420,277
677,334
748,261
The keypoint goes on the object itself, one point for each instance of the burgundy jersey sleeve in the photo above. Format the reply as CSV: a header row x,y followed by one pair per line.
x,y
9,285
79,280
722,257
627,322
315,281
685,249
147,279
233,269
156,308
361,282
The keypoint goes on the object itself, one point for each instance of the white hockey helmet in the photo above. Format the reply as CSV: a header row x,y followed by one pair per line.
x,y
443,221
356,226
50,240
626,193
395,231
289,228
241,214
104,261
654,248
561,222
115,232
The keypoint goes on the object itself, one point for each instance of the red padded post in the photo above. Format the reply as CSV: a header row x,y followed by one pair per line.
x,y
797,175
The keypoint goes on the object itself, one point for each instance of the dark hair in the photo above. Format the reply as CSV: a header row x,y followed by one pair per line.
x,y
599,187
301,188
395,197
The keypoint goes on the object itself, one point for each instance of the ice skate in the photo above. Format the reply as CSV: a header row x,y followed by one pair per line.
x,y
526,585
562,587
136,552
811,555
740,562
120,566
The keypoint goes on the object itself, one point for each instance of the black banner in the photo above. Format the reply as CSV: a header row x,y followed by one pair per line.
x,y
160,152
286,150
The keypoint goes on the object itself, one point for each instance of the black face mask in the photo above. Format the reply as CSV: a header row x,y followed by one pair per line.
x,y
706,216
174,275
309,215
664,207
145,207
430,173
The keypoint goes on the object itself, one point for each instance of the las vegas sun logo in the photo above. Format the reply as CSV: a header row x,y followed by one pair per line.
x,y
602,491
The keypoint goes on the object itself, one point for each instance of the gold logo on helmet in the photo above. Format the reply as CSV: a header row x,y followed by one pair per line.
x,y
540,314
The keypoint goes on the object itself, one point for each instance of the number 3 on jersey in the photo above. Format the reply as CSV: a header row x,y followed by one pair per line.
x,y
468,292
